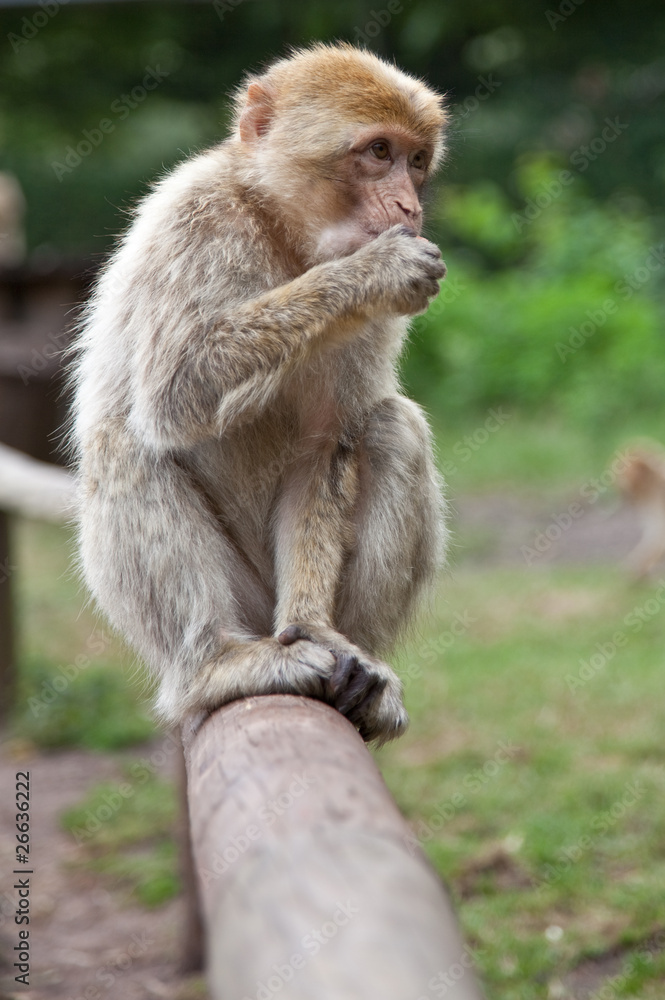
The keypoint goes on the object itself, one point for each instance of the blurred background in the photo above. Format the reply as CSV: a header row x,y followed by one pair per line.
x,y
533,769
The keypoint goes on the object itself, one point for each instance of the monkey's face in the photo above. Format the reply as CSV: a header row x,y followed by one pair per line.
x,y
376,184
342,143
641,476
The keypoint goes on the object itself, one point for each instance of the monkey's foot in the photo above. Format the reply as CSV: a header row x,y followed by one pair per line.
x,y
252,667
365,690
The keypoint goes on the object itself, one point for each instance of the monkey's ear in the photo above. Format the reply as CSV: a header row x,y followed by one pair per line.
x,y
257,114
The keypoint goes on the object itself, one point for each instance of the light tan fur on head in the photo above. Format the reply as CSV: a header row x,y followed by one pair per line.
x,y
346,86
309,116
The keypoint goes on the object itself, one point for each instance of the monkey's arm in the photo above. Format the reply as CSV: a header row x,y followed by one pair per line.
x,y
195,379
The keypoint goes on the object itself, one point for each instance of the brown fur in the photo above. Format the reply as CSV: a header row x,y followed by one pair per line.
x,y
346,85
641,480
259,505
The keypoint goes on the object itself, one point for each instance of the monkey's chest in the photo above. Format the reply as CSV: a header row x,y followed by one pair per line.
x,y
243,473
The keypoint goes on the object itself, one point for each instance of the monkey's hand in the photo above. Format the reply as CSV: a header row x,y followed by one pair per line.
x,y
365,690
405,270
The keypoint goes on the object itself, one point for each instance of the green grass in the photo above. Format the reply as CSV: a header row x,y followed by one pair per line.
x,y
78,685
538,794
125,830
509,451
566,827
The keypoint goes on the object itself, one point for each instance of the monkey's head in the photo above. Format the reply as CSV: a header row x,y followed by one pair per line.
x,y
342,142
641,475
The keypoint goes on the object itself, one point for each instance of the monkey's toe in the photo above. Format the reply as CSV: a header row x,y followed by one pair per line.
x,y
386,723
366,691
363,692
353,686
291,634
381,716
345,675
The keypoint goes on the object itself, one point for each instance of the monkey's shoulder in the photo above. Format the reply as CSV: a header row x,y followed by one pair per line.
x,y
196,197
193,239
200,221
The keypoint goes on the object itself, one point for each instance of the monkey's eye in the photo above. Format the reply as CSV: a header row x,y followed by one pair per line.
x,y
419,161
380,150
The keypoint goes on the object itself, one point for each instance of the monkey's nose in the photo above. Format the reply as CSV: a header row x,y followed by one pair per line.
x,y
412,212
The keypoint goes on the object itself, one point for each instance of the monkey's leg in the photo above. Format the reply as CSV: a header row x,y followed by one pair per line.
x,y
168,577
399,536
400,528
315,532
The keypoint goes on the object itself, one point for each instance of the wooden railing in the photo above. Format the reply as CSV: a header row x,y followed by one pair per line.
x,y
312,884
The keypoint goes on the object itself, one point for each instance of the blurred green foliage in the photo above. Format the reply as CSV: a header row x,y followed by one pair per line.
x,y
534,90
566,316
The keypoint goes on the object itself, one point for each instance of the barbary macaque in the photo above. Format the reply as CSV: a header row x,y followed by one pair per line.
x,y
642,482
259,506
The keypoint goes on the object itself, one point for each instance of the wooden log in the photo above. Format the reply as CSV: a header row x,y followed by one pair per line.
x,y
34,489
313,886
191,947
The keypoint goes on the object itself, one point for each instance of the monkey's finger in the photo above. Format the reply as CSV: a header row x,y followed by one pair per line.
x,y
405,231
435,268
431,249
431,288
362,717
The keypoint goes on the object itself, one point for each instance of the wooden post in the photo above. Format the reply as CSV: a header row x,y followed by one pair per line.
x,y
35,489
191,950
313,886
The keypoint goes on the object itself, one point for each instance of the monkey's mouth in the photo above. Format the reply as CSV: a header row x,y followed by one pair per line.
x,y
373,233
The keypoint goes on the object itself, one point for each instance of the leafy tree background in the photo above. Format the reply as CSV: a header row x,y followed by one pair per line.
x,y
554,304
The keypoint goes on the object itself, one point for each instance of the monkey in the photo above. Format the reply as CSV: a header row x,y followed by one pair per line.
x,y
259,508
641,480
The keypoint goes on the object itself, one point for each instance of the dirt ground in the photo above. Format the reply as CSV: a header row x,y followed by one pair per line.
x,y
91,944
504,528
86,943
